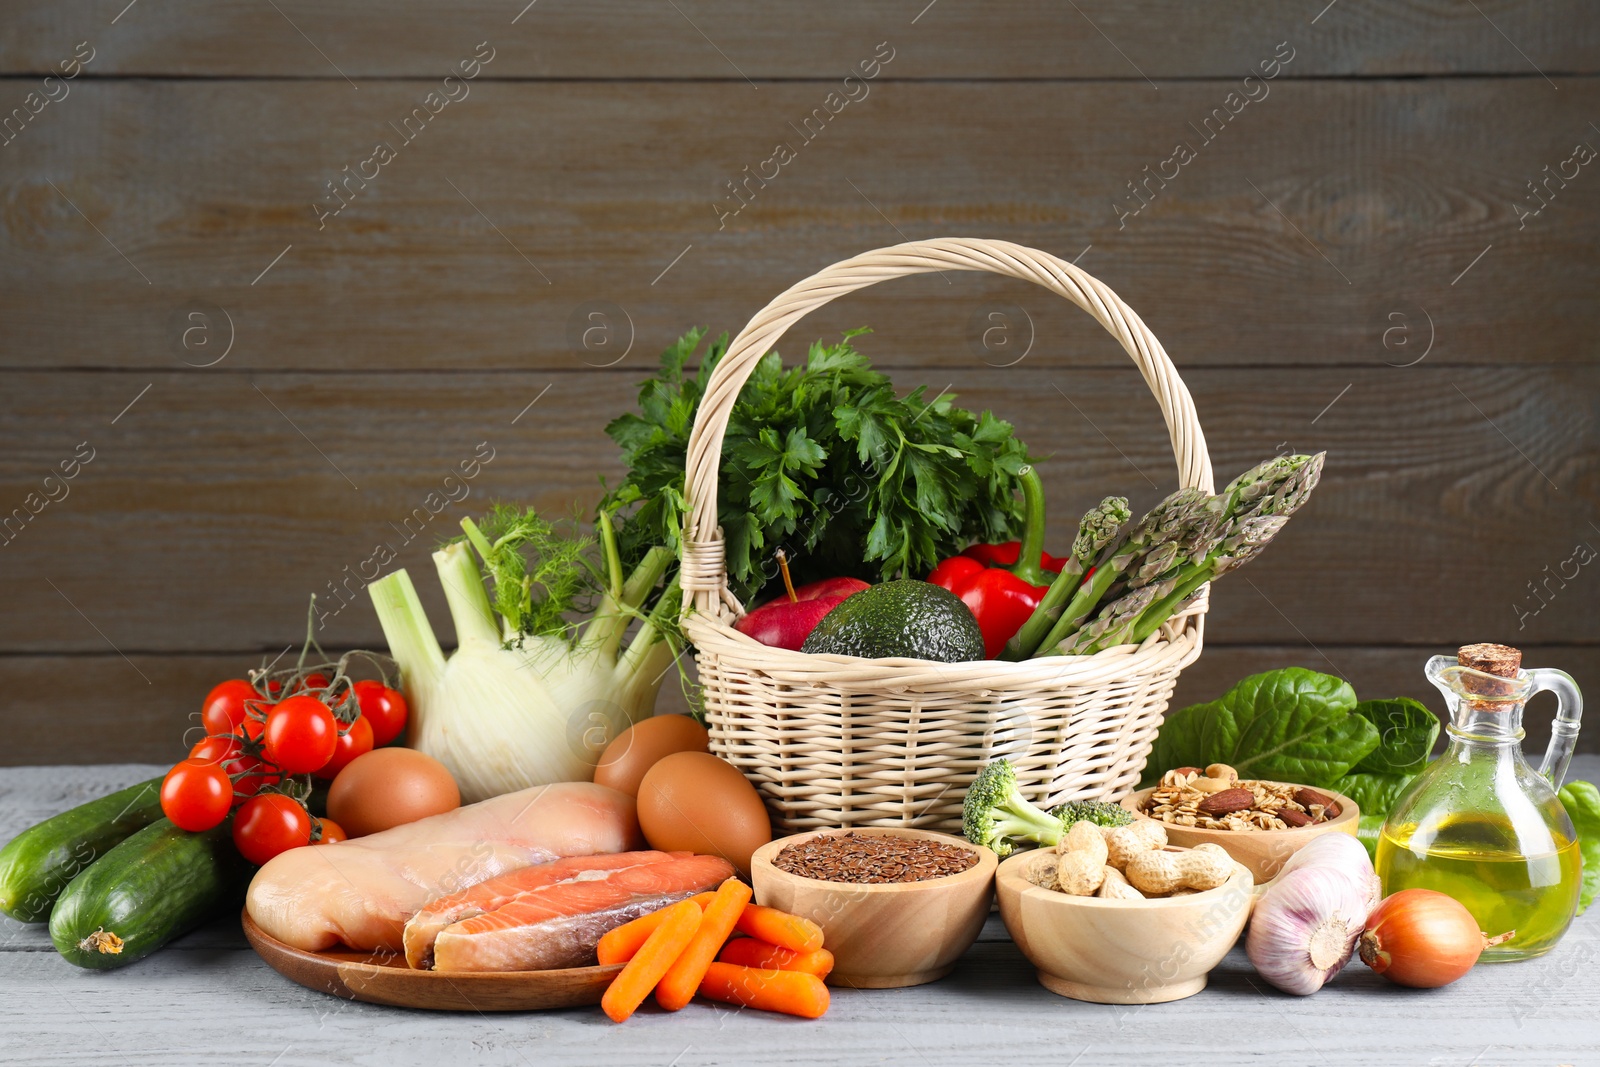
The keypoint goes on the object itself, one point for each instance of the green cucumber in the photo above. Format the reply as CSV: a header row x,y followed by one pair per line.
x,y
38,863
158,884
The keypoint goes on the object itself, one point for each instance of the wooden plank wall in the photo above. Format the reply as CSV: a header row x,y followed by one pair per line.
x,y
1386,249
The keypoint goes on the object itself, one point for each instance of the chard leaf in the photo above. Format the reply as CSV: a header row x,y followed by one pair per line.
x,y
1406,732
1288,725
1367,831
1375,794
1582,801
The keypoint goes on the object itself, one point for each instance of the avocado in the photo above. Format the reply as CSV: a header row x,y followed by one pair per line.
x,y
909,618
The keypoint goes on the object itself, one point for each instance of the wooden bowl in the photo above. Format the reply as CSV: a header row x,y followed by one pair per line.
x,y
1121,951
1263,851
884,936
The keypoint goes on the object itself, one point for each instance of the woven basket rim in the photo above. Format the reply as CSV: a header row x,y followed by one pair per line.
x,y
1174,639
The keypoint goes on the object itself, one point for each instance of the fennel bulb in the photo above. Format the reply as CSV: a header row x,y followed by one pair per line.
x,y
509,708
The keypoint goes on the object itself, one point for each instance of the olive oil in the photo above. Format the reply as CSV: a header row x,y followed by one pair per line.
x,y
1476,860
1478,823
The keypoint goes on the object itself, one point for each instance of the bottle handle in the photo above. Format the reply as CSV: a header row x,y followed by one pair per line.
x,y
1564,729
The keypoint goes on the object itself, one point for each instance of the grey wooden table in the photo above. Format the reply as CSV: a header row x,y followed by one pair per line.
x,y
207,999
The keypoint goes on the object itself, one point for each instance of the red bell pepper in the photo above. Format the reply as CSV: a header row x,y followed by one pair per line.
x,y
1002,584
1005,554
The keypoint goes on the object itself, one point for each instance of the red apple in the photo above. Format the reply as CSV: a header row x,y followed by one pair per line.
x,y
786,623
839,587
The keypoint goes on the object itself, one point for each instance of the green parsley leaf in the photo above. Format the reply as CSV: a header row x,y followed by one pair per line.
x,y
825,460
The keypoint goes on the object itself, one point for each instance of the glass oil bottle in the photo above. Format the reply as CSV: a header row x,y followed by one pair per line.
x,y
1479,824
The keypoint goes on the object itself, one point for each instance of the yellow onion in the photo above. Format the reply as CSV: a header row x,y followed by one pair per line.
x,y
1423,939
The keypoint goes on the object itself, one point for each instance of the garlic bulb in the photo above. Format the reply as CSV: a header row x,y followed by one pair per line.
x,y
1342,851
1305,926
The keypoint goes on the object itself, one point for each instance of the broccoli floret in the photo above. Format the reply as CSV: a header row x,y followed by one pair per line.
x,y
995,814
1099,812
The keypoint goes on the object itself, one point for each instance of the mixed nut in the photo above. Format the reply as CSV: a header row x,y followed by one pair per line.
x,y
1128,863
1216,799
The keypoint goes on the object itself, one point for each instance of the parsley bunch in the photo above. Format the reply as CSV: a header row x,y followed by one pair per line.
x,y
823,460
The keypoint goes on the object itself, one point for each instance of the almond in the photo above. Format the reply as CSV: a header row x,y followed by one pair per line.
x,y
1307,797
1227,802
1293,817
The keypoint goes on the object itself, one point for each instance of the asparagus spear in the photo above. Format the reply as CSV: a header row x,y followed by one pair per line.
x,y
1263,498
1180,517
1236,525
1276,487
1252,536
1136,615
1098,528
1116,620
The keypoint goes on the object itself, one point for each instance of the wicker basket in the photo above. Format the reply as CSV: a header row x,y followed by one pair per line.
x,y
838,741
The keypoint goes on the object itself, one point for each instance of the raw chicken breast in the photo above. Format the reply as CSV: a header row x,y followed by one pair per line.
x,y
362,891
558,923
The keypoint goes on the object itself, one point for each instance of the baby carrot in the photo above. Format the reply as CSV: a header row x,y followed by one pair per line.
x,y
619,944
780,928
629,988
678,986
791,992
753,952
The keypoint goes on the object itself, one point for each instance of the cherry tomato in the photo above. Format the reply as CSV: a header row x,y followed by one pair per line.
x,y
253,776
269,824
228,752
224,708
196,794
249,739
252,728
317,681
219,750
332,832
301,734
353,742
384,709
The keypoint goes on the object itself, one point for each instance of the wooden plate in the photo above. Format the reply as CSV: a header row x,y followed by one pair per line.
x,y
384,978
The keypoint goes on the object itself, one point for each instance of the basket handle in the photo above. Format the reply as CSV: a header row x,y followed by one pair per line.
x,y
704,575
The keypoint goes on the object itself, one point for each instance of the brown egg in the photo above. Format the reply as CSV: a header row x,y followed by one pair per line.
x,y
695,802
639,747
388,787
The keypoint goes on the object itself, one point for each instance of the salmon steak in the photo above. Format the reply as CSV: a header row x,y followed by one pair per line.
x,y
361,892
552,915
423,927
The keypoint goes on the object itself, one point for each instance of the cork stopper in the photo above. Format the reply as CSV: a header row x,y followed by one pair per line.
x,y
1502,661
